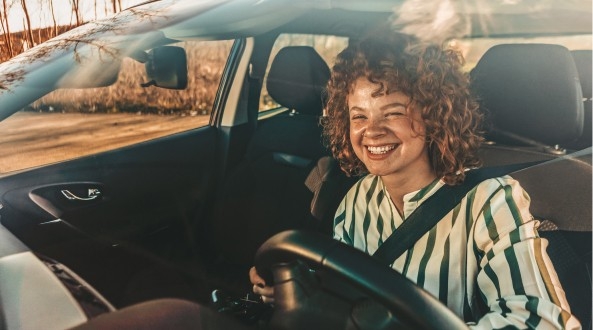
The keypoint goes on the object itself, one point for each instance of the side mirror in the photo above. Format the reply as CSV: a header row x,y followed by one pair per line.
x,y
166,67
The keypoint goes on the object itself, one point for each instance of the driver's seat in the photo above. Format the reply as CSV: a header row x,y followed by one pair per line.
x,y
266,192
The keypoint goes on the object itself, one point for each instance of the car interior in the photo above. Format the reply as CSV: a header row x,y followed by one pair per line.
x,y
183,235
525,122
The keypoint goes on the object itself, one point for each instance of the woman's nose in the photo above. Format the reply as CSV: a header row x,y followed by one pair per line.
x,y
375,127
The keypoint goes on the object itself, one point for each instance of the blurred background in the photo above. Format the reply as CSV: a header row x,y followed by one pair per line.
x,y
26,23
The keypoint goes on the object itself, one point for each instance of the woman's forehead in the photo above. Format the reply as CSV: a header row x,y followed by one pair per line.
x,y
375,89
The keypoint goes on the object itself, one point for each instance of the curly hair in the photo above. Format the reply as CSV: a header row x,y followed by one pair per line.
x,y
431,76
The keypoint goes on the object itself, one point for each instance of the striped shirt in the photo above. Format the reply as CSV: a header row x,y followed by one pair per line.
x,y
486,247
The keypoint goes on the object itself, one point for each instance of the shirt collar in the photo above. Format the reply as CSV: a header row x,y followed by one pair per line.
x,y
413,199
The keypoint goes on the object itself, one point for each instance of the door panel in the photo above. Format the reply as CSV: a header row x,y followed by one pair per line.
x,y
120,211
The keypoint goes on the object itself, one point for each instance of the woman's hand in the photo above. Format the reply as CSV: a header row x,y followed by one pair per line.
x,y
260,288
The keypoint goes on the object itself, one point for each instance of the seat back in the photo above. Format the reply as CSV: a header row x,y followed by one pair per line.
x,y
530,94
266,192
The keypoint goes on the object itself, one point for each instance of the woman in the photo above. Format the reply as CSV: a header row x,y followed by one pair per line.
x,y
401,113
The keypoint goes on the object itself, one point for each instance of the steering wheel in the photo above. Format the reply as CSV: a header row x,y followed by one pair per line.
x,y
319,281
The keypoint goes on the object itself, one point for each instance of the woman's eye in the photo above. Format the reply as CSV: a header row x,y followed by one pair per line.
x,y
355,117
395,114
396,111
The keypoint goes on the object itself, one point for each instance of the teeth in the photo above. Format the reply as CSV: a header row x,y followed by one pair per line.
x,y
380,150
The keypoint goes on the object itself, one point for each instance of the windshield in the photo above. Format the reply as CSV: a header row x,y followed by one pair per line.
x,y
97,49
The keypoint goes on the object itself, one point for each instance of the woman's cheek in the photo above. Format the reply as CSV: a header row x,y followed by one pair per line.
x,y
356,132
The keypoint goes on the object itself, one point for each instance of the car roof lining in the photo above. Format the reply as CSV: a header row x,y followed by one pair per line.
x,y
356,25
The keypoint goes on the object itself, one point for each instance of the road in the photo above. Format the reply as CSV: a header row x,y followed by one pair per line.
x,y
29,139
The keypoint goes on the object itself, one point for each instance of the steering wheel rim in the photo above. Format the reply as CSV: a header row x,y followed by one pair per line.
x,y
399,295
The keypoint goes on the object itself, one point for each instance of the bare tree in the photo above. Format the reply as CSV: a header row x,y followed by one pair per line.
x,y
53,18
76,11
6,28
4,50
27,25
116,5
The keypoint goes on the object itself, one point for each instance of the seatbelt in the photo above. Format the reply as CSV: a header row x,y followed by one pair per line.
x,y
435,208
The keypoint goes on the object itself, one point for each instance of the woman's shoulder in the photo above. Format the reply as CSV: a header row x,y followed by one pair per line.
x,y
503,186
498,182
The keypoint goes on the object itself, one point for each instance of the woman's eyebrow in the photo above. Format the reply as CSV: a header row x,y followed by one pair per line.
x,y
393,105
385,107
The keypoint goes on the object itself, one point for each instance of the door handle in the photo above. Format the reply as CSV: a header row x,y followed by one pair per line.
x,y
92,194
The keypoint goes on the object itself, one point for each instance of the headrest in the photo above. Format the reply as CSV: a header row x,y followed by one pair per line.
x,y
583,59
297,78
531,90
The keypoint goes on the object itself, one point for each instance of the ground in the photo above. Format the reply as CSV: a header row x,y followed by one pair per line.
x,y
29,139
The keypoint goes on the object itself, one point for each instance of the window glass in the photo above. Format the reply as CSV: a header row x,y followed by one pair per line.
x,y
473,49
70,123
327,46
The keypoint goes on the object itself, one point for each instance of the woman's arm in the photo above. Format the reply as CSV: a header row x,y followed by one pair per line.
x,y
516,278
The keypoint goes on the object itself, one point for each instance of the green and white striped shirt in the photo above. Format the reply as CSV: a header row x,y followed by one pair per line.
x,y
487,247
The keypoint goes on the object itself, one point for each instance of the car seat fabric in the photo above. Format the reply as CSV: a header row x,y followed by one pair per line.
x,y
583,61
530,90
266,192
571,256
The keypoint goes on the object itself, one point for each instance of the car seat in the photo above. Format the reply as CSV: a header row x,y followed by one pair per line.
x,y
266,192
533,98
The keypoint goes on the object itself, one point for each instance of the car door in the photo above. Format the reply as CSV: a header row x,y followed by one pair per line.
x,y
73,193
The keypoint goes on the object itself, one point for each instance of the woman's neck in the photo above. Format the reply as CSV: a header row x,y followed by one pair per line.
x,y
400,185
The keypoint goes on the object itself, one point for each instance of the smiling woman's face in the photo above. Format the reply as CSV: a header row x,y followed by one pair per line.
x,y
386,134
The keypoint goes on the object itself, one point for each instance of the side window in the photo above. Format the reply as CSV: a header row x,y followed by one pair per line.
x,y
327,46
71,123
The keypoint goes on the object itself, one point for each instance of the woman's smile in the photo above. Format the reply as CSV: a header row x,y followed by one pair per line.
x,y
381,150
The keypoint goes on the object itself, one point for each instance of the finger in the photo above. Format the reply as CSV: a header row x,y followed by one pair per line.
x,y
266,293
267,300
257,289
255,278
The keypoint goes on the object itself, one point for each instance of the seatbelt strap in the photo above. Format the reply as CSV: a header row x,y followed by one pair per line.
x,y
429,213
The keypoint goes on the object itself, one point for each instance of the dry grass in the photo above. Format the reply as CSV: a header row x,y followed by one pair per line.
x,y
206,60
